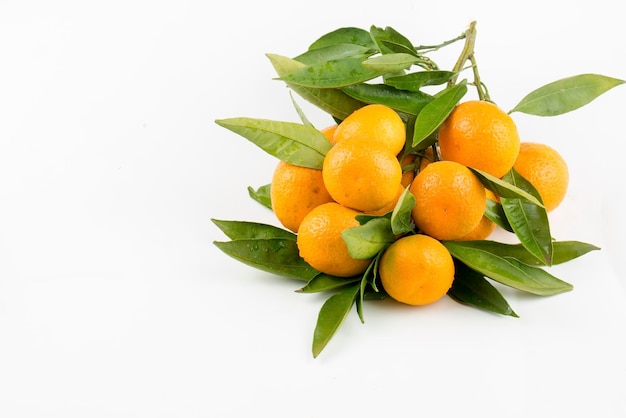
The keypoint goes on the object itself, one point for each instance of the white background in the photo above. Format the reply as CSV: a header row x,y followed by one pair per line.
x,y
115,303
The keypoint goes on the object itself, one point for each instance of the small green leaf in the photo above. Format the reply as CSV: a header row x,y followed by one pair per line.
x,y
331,316
333,52
293,143
401,220
495,213
251,230
274,255
324,282
503,188
565,95
332,101
471,288
346,35
528,221
507,271
435,112
365,241
331,74
261,195
415,81
390,63
390,41
400,100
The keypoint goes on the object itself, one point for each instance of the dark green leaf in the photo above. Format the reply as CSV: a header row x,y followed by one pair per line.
x,y
503,188
365,241
528,221
334,52
331,316
293,143
261,195
251,230
507,271
390,41
565,95
332,101
331,74
390,63
415,81
347,35
324,282
471,288
495,213
401,220
435,112
401,100
274,255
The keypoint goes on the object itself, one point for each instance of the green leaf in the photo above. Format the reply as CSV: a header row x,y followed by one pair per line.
x,y
563,251
415,81
495,213
261,195
400,100
274,255
334,52
332,101
401,220
528,221
471,288
435,112
503,188
331,316
390,63
293,143
324,282
507,271
390,41
251,230
331,74
365,241
565,95
346,35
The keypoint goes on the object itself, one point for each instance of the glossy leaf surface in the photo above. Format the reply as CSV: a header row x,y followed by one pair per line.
x,y
331,316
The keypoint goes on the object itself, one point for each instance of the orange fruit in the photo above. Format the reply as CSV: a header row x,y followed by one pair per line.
x,y
416,270
449,200
321,245
407,174
294,192
329,133
390,206
545,169
361,177
485,227
375,123
480,135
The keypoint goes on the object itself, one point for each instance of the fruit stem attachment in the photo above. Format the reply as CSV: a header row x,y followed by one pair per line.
x,y
467,54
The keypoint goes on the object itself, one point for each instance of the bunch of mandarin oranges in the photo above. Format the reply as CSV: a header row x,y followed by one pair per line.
x,y
366,171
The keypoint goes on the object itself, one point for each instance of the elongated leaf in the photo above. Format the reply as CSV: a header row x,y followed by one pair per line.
x,y
274,255
565,95
261,195
495,213
331,316
324,282
251,230
334,52
563,251
415,81
401,100
293,143
332,101
507,271
401,220
435,112
528,221
365,241
503,188
471,288
390,41
331,74
390,63
346,35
